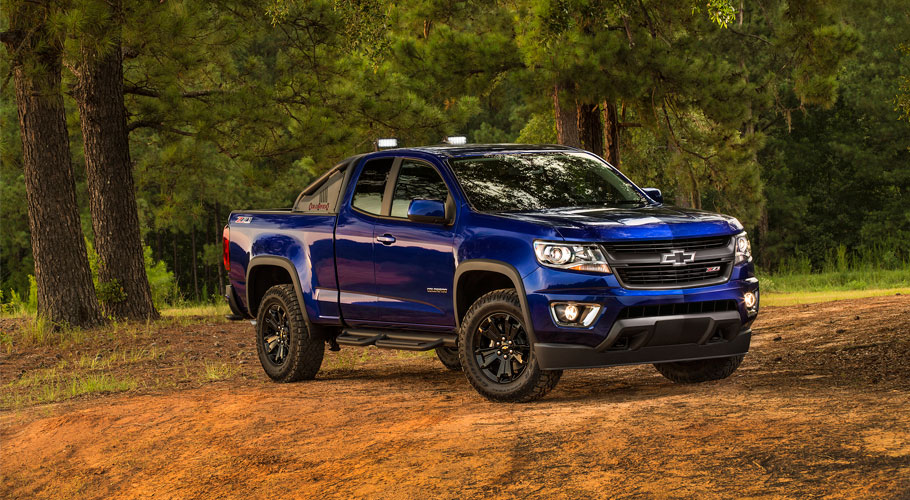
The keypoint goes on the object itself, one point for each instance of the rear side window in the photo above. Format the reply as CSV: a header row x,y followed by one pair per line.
x,y
371,184
416,181
325,199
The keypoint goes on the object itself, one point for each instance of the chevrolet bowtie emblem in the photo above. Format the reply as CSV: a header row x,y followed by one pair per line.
x,y
677,257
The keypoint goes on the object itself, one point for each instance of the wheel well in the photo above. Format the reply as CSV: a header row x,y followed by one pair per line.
x,y
260,280
473,285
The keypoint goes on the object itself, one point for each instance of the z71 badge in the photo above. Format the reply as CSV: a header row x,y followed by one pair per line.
x,y
243,220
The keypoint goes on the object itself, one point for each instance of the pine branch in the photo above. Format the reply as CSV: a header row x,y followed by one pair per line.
x,y
147,92
158,126
750,35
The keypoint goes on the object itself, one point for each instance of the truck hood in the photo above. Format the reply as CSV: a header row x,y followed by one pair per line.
x,y
639,223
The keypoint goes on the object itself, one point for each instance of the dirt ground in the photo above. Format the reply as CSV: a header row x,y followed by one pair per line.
x,y
820,408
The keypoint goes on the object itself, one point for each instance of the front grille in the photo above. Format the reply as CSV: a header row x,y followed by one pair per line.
x,y
677,263
666,275
708,306
661,246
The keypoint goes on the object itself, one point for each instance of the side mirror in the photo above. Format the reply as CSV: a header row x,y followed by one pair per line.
x,y
429,211
654,194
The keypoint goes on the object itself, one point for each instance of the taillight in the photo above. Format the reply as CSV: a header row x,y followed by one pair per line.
x,y
226,247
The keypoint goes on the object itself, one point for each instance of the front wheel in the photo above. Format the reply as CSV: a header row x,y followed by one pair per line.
x,y
496,353
287,350
702,370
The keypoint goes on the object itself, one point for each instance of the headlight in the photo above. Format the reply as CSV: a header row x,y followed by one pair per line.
x,y
571,256
743,249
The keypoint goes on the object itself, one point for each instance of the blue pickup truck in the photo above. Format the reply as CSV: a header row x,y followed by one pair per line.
x,y
513,262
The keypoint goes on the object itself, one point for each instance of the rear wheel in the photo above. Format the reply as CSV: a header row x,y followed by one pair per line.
x,y
287,350
496,353
449,357
702,370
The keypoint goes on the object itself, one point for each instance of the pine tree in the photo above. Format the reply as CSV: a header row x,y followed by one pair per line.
x,y
64,281
122,279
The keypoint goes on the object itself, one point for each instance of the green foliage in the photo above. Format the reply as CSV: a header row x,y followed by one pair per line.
x,y
840,177
110,292
32,306
160,279
756,110
902,101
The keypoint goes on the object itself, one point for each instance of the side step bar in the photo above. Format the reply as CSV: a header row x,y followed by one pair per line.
x,y
408,341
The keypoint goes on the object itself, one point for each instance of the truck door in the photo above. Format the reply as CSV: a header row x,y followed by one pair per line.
x,y
357,295
414,263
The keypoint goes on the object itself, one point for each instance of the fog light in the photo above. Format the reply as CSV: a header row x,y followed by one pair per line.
x,y
574,314
571,312
750,300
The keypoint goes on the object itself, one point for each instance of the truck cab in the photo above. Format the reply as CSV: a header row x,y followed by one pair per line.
x,y
513,262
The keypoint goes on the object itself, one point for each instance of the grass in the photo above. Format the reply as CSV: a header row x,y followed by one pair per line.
x,y
856,279
796,285
58,383
215,370
174,351
209,310
771,299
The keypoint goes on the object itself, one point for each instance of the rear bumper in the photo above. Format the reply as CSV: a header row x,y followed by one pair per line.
x,y
231,299
654,340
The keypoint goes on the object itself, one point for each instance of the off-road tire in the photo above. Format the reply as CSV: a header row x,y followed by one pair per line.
x,y
449,358
304,355
702,370
531,384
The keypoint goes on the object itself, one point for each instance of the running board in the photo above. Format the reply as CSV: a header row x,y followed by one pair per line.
x,y
407,341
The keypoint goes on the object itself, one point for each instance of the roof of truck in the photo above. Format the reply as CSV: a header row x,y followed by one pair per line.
x,y
451,151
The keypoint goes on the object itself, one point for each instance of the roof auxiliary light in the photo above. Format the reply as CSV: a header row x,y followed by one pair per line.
x,y
386,143
457,140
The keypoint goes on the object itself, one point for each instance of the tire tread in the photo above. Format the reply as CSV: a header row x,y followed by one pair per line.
x,y
544,380
306,359
694,372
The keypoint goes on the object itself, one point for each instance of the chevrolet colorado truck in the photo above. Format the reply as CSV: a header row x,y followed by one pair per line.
x,y
513,262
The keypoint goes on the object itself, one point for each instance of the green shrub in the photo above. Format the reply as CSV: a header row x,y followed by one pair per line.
x,y
161,281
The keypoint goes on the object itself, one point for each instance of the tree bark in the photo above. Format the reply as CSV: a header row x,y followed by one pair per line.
x,y
62,273
566,118
195,266
109,176
610,133
591,129
218,236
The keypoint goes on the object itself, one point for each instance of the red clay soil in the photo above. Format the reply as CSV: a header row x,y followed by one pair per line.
x,y
820,408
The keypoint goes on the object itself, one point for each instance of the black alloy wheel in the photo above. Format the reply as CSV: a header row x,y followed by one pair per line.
x,y
501,347
276,335
496,352
287,350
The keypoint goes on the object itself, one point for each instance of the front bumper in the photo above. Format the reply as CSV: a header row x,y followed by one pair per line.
x,y
656,333
654,340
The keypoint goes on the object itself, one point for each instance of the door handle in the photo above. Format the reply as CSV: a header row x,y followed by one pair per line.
x,y
386,239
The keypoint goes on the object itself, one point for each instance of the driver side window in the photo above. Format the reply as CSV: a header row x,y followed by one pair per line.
x,y
416,181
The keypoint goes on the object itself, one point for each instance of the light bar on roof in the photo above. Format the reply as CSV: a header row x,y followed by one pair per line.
x,y
386,143
457,140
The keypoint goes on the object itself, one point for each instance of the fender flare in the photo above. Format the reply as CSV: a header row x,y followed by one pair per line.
x,y
287,265
503,268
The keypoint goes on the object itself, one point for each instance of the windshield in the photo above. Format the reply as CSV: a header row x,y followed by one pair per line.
x,y
542,181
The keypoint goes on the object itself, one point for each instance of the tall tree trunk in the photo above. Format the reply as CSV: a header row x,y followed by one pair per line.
x,y
195,266
62,274
566,118
610,133
109,175
591,129
176,271
218,236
